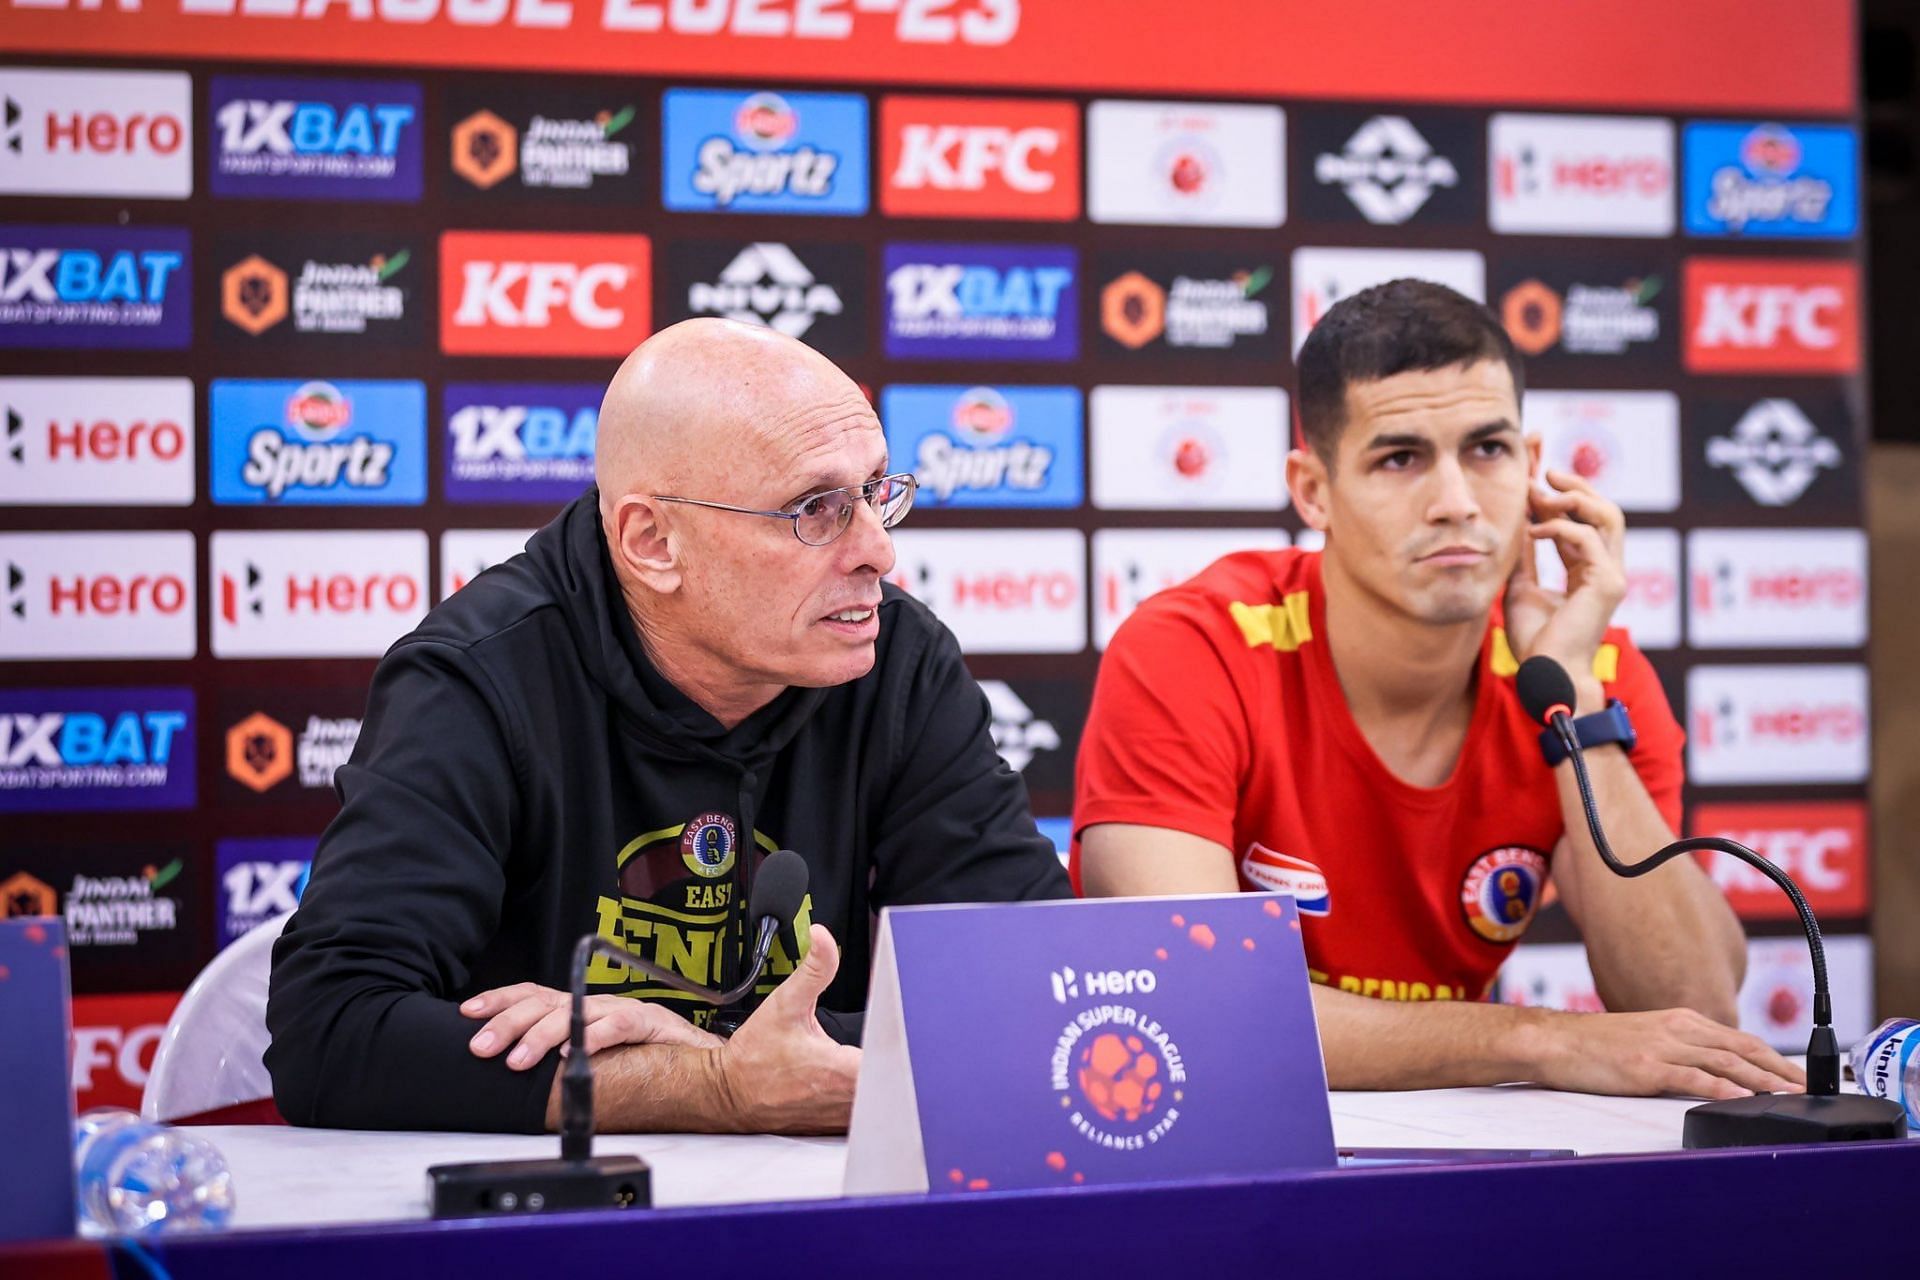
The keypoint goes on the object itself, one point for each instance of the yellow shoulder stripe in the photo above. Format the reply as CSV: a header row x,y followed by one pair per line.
x,y
1606,661
1284,626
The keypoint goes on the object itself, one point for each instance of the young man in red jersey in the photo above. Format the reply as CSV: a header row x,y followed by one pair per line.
x,y
1343,726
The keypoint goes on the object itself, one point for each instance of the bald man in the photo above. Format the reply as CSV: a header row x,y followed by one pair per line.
x,y
695,664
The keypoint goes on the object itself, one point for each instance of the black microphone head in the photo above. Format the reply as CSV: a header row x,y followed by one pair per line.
x,y
1544,686
779,887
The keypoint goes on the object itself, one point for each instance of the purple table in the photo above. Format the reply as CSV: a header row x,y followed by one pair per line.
x,y
1763,1212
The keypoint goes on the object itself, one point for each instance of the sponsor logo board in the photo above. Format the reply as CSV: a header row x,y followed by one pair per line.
x,y
96,442
257,880
1195,163
729,151
82,132
1777,724
1593,306
1130,565
988,446
1387,169
1218,304
970,301
465,554
1189,448
999,590
304,138
555,143
1772,456
108,287
132,913
1777,588
1771,180
1771,315
280,746
308,443
1822,844
344,594
1580,175
96,595
979,158
520,442
1625,443
1650,611
543,294
1321,277
67,750
115,1039
814,292
322,290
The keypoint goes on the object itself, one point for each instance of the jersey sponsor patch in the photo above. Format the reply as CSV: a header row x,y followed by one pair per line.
x,y
1501,891
1299,879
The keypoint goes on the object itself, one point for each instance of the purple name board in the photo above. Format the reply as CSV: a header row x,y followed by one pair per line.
x,y
1064,1044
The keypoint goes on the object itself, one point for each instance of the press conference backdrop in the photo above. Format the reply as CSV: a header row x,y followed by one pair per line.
x,y
306,308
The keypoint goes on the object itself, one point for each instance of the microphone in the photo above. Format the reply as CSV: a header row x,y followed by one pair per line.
x,y
579,1179
1822,1113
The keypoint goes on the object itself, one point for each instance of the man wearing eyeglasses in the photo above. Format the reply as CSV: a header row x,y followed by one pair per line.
x,y
695,664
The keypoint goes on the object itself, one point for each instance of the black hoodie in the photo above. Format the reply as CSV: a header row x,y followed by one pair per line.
x,y
524,776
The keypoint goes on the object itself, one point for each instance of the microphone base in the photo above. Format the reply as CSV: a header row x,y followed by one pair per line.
x,y
516,1188
1778,1119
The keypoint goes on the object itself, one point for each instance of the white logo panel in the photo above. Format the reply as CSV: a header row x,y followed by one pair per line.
x,y
97,595
315,595
1625,443
1321,277
465,554
1131,564
1785,588
1777,724
1579,175
96,133
1189,448
1000,590
1650,611
96,442
1196,163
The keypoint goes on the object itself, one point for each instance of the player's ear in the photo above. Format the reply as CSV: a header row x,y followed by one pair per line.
x,y
1307,479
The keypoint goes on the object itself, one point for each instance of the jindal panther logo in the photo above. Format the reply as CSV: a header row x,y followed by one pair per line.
x,y
707,845
1501,891
1117,1071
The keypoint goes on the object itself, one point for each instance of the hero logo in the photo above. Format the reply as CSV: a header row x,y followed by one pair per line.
x,y
1766,588
1777,724
96,442
1129,565
1018,735
1001,591
62,602
96,133
316,595
540,294
1069,985
1822,845
966,157
1775,452
1387,169
767,284
1772,315
1575,175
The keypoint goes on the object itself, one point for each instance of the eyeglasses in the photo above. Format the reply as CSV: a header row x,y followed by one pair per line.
x,y
822,517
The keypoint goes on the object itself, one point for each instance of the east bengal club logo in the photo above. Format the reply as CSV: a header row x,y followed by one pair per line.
x,y
1501,891
707,845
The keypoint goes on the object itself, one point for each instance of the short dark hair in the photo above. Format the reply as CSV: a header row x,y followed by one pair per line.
x,y
1397,327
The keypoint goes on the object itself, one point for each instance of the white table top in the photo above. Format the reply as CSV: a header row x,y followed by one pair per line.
x,y
307,1177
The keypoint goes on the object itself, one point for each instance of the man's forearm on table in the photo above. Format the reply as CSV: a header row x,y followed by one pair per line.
x,y
1440,1044
656,1088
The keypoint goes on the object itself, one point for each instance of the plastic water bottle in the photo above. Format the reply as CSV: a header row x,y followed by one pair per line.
x,y
1887,1065
138,1177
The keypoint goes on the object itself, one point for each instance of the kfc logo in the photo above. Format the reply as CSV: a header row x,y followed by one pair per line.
x,y
1625,443
980,158
1130,565
1777,724
1784,588
543,294
96,133
96,442
96,595
1772,315
1581,175
316,595
1001,591
1821,844
115,1039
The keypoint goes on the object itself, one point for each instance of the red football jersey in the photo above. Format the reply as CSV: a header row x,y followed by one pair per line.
x,y
1218,712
